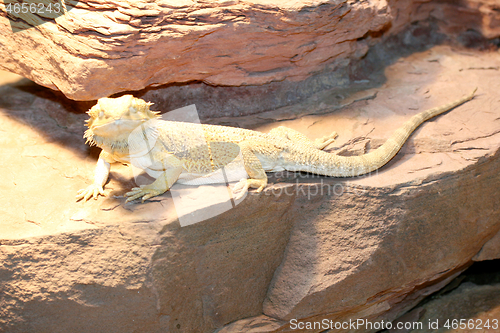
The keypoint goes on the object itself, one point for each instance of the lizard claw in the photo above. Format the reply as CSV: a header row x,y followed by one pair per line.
x,y
91,191
144,191
241,188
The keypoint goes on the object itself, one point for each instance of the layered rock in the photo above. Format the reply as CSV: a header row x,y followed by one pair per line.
x,y
98,48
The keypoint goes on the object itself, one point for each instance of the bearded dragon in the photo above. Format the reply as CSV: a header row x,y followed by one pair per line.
x,y
128,131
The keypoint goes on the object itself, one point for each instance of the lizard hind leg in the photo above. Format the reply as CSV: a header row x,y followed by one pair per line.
x,y
297,137
322,143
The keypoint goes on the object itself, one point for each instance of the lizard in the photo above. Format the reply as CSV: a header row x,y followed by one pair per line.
x,y
129,132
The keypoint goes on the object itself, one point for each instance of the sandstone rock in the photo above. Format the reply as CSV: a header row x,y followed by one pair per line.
x,y
113,47
110,47
343,276
309,248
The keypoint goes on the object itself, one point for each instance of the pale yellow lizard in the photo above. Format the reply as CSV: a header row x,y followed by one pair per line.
x,y
129,132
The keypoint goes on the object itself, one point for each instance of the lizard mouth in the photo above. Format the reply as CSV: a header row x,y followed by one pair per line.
x,y
116,128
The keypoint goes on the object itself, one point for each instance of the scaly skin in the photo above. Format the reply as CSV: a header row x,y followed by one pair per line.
x,y
128,132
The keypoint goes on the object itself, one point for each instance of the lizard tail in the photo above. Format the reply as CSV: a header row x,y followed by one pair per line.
x,y
349,166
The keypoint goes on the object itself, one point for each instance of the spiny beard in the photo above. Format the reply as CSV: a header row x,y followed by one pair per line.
x,y
122,145
103,142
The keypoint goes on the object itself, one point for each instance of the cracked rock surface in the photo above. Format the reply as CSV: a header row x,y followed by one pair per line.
x,y
309,248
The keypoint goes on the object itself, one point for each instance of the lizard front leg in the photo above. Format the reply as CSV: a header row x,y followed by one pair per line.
x,y
101,174
172,169
254,169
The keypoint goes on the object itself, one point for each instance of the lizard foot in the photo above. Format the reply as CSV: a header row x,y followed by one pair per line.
x,y
322,143
144,191
241,188
91,191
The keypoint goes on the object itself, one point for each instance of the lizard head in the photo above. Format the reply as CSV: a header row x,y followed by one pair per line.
x,y
116,118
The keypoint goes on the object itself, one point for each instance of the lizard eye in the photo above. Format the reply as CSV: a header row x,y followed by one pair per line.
x,y
101,114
